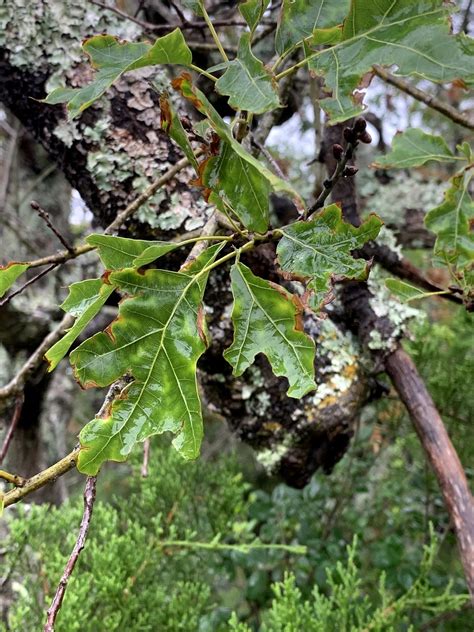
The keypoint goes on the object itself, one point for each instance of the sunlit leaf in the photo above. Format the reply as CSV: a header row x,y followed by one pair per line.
x,y
266,320
321,248
300,19
9,274
200,102
407,292
112,58
158,338
414,148
414,36
452,222
171,124
84,302
252,11
248,83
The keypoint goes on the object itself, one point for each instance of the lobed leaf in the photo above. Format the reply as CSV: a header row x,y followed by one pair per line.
x,y
248,83
84,301
112,58
300,19
452,222
9,274
266,320
158,338
414,148
414,36
321,249
252,11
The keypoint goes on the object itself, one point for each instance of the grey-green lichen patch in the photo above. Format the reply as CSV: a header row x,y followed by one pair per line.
x,y
385,305
270,458
404,191
386,237
48,33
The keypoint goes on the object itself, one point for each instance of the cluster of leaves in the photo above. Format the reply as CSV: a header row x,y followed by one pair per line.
x,y
160,332
452,220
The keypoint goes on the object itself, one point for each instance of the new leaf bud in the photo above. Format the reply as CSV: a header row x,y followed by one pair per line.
x,y
337,151
349,171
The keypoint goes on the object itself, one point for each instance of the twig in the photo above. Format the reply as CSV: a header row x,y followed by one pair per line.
x,y
146,458
65,255
41,479
441,454
213,31
270,158
430,100
208,230
14,479
45,216
12,427
16,384
23,287
149,191
89,498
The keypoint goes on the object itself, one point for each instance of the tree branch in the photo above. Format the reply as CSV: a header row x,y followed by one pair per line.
x,y
15,385
440,452
89,499
41,479
430,100
11,428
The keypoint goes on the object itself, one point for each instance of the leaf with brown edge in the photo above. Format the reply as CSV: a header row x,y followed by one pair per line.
x,y
157,338
266,320
171,124
321,249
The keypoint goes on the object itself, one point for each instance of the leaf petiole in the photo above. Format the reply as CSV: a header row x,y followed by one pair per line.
x,y
213,31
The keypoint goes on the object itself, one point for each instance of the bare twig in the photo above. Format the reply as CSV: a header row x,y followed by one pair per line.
x,y
41,479
208,230
146,458
440,452
16,384
23,287
89,498
146,195
430,100
45,216
270,158
11,428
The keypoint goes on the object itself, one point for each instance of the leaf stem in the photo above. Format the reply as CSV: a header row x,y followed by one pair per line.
x,y
213,31
203,72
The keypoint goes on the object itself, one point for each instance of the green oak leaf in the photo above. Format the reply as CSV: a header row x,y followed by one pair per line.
x,y
248,83
112,58
9,274
158,338
452,222
85,300
252,11
407,292
321,248
266,320
414,148
300,19
171,124
200,102
117,253
414,36
241,185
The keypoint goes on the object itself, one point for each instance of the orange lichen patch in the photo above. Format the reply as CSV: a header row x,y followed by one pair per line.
x,y
330,400
271,426
350,371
